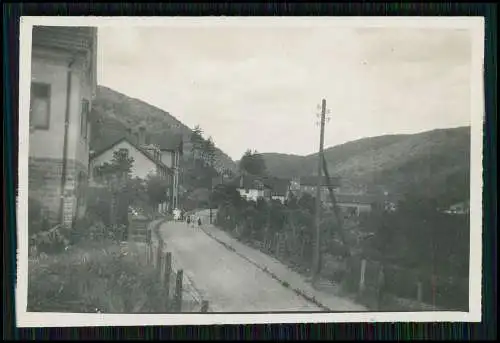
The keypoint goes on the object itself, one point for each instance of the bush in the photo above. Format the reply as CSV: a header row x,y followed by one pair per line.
x,y
51,241
97,275
37,222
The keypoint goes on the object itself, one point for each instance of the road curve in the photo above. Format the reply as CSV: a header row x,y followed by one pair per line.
x,y
229,282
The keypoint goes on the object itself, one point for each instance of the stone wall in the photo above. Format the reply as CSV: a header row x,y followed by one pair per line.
x,y
45,186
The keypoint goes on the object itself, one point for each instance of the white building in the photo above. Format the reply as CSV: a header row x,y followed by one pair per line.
x,y
251,188
147,161
63,86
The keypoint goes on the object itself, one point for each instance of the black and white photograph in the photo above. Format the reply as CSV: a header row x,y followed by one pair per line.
x,y
204,170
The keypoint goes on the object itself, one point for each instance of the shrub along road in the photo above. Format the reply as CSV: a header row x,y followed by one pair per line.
x,y
226,280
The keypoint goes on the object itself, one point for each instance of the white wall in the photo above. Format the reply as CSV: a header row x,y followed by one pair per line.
x,y
253,194
279,197
49,143
141,167
167,158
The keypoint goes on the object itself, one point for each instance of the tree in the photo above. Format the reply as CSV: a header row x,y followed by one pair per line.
x,y
253,163
196,141
308,203
120,167
209,151
225,195
116,175
157,189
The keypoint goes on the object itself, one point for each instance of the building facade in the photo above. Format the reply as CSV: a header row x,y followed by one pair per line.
x,y
63,86
145,162
170,147
302,185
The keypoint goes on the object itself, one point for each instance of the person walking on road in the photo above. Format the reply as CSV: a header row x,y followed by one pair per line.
x,y
199,222
188,220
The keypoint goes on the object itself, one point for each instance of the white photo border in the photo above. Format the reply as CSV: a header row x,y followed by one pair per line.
x,y
48,319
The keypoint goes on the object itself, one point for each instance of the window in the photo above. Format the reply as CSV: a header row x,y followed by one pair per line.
x,y
123,152
84,118
40,106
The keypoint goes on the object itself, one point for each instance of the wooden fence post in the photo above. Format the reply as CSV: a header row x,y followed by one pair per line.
x,y
362,276
159,254
159,265
166,279
380,286
204,306
178,291
150,254
419,291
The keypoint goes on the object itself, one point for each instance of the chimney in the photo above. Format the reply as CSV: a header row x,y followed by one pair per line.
x,y
129,132
142,136
136,137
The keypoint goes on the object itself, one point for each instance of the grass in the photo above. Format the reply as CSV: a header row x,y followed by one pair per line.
x,y
94,276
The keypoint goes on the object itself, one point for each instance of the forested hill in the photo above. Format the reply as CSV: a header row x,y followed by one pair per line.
x,y
113,112
433,164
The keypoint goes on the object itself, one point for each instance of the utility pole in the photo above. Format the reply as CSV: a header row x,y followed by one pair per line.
x,y
317,218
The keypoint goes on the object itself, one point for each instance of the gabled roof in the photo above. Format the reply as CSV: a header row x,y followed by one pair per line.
x,y
171,141
313,181
279,187
146,153
248,181
366,199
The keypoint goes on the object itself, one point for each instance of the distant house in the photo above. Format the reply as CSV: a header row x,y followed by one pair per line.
x,y
63,87
252,187
356,204
459,208
147,161
308,184
280,189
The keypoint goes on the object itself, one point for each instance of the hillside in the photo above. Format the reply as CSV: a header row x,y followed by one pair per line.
x,y
113,112
433,164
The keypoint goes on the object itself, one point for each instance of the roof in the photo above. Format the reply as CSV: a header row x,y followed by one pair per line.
x,y
279,187
249,182
167,141
313,181
366,199
143,151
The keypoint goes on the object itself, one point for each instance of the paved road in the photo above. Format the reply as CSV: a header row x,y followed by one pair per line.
x,y
227,281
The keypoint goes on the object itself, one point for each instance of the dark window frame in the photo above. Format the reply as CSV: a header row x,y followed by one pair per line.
x,y
48,90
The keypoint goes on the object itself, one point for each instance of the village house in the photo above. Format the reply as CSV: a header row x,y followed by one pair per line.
x,y
356,204
280,189
308,184
459,208
160,159
251,188
63,86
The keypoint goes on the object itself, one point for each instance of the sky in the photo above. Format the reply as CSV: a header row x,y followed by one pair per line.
x,y
259,87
